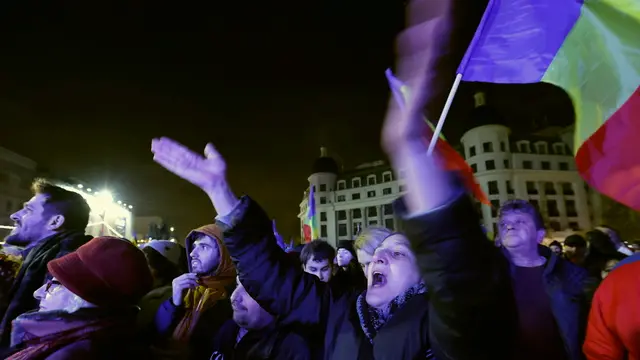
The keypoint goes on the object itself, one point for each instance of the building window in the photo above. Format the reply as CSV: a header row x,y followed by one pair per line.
x,y
389,224
371,180
372,211
355,196
570,206
487,147
495,206
531,188
535,204
323,200
472,151
558,149
541,148
386,191
549,189
493,188
555,226
509,188
342,185
490,165
527,165
574,226
563,166
341,198
506,164
567,189
356,213
323,216
546,165
371,193
323,187
387,209
523,147
552,208
474,168
373,222
342,230
401,188
341,215
386,177
357,226
323,231
355,182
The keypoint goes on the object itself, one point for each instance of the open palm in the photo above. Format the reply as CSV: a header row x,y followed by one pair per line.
x,y
203,171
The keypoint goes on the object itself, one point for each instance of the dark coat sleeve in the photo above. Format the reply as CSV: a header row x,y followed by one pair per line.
x,y
464,281
292,347
167,318
265,271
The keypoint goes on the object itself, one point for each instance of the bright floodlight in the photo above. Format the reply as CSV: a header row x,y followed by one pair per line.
x,y
119,202
172,229
80,186
89,190
130,206
105,196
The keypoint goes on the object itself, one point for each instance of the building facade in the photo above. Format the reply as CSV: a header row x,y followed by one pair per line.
x,y
347,202
540,170
16,174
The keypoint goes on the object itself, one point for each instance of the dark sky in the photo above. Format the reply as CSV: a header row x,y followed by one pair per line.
x,y
85,85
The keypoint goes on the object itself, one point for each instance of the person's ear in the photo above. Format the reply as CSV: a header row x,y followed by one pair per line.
x,y
56,222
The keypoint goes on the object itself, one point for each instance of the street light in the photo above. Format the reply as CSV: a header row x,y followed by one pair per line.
x,y
88,189
171,229
80,186
130,206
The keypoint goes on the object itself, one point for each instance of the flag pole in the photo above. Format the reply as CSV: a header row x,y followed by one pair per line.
x,y
443,115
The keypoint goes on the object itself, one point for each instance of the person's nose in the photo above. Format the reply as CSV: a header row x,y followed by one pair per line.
x,y
40,293
381,257
15,216
193,254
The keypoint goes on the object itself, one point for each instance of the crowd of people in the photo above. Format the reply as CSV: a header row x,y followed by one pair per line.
x,y
438,290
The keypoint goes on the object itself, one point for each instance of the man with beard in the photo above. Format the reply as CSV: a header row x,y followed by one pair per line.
x,y
254,334
200,302
50,225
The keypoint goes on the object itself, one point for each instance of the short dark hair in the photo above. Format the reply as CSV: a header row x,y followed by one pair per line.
x,y
555,243
575,240
317,250
522,206
59,201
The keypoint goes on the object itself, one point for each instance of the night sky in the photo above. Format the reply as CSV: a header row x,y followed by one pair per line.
x,y
86,85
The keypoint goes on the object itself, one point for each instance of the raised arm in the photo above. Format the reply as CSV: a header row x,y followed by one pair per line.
x,y
278,286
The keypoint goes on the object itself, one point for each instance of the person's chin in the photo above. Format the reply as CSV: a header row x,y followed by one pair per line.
x,y
15,240
375,299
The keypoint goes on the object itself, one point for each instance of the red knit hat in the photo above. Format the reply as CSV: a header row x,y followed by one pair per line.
x,y
106,271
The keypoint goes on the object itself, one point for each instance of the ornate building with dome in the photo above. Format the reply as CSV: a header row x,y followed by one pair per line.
x,y
537,167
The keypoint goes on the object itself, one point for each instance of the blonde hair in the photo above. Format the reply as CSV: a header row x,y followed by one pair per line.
x,y
371,238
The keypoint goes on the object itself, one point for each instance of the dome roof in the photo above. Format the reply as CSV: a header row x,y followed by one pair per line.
x,y
484,114
325,163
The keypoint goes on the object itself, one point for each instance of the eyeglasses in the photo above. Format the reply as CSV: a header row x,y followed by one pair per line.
x,y
51,283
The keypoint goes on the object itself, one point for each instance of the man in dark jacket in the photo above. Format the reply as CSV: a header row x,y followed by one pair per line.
x,y
50,225
550,303
254,334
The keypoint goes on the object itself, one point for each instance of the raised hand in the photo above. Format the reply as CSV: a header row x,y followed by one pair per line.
x,y
277,235
203,171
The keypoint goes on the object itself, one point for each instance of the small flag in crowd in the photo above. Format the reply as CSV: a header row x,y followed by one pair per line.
x,y
589,48
310,227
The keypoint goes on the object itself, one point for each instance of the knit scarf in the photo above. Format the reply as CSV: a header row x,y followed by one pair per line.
x,y
198,300
372,319
41,334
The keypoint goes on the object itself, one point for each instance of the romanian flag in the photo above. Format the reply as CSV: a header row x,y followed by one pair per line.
x,y
452,159
589,48
310,225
